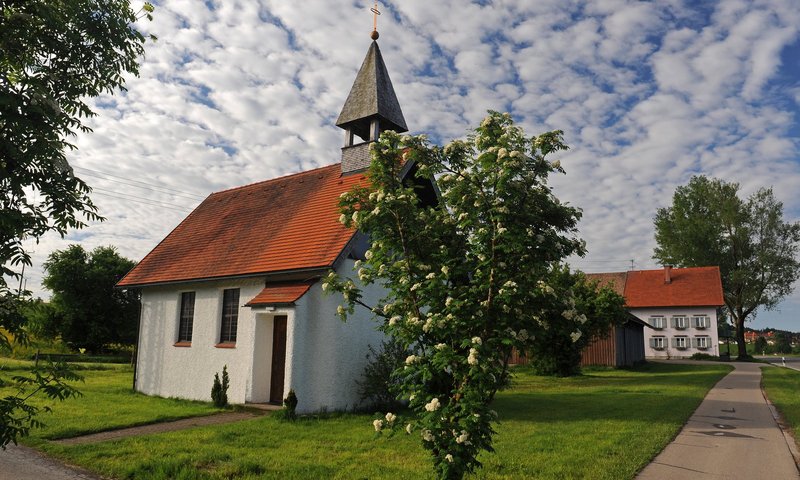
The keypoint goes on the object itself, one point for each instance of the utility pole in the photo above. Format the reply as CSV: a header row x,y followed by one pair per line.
x,y
21,278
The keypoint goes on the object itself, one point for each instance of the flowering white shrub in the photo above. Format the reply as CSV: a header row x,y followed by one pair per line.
x,y
579,312
468,279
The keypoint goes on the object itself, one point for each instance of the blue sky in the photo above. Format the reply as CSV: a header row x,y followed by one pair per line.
x,y
648,94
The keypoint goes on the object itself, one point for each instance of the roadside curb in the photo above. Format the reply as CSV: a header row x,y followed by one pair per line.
x,y
791,443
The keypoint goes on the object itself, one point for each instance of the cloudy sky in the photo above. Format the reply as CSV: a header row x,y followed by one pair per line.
x,y
647,93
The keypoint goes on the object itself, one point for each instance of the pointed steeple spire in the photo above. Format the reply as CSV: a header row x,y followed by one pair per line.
x,y
372,102
370,108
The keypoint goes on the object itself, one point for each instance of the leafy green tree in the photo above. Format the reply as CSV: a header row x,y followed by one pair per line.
x,y
90,312
467,279
783,343
17,415
54,57
41,318
761,345
591,313
756,250
12,320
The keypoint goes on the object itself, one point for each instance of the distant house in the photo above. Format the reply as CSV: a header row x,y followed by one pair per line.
x,y
237,282
751,336
680,305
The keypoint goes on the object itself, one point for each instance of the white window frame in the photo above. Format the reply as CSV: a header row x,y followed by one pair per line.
x,y
681,342
701,322
658,322
680,322
706,342
658,343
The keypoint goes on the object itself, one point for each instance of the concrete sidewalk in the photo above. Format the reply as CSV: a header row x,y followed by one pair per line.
x,y
175,425
732,435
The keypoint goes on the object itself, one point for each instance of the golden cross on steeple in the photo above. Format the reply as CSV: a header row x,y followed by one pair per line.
x,y
375,13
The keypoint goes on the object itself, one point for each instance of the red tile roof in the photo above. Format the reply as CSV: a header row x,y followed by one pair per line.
x,y
615,280
283,224
280,294
689,287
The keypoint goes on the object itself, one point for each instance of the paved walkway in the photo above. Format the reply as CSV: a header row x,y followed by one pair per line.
x,y
217,419
732,435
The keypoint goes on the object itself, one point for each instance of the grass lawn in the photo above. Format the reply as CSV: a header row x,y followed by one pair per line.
x,y
107,403
606,424
782,385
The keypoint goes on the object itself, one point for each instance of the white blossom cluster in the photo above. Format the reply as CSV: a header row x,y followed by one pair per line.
x,y
388,421
472,359
433,405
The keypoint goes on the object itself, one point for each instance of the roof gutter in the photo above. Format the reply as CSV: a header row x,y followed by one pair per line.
x,y
307,272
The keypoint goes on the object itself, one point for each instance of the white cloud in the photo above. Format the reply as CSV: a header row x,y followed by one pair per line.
x,y
648,94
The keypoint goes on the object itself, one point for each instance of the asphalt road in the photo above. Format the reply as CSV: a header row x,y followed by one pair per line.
x,y
790,362
23,463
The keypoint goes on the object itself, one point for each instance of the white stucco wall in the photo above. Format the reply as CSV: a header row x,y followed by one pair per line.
x,y
324,356
668,332
188,372
327,355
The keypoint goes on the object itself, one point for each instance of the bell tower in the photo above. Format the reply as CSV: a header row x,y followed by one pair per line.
x,y
370,108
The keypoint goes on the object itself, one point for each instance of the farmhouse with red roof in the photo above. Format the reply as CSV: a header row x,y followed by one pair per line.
x,y
680,304
237,282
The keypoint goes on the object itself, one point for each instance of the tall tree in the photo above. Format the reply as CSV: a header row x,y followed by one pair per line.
x,y
761,346
91,313
467,279
755,248
55,56
783,342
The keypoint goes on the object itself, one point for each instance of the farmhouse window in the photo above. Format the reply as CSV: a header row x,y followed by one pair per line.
x,y
230,315
680,322
186,318
701,321
702,343
681,343
657,343
658,322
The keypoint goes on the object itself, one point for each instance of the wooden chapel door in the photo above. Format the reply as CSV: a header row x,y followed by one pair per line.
x,y
278,360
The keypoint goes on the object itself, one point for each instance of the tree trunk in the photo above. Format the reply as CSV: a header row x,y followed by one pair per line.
x,y
738,318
